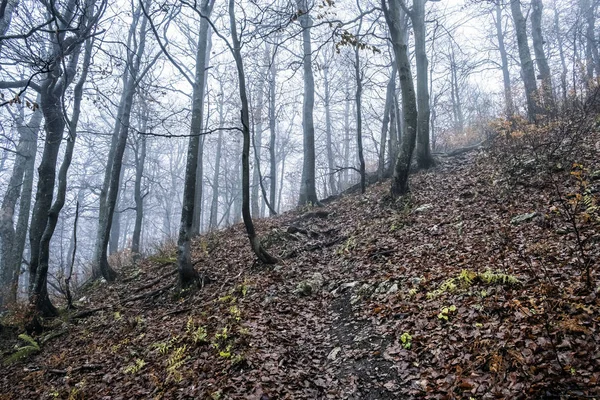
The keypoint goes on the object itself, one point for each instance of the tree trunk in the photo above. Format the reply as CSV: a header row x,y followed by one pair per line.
x,y
140,160
387,113
527,71
188,276
540,55
393,17
333,189
134,61
198,195
214,207
358,100
19,185
7,8
257,140
259,251
40,292
423,153
51,100
115,230
273,134
508,99
308,189
346,173
561,52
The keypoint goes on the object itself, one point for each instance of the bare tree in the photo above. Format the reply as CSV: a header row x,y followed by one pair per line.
x,y
235,48
394,18
527,70
308,189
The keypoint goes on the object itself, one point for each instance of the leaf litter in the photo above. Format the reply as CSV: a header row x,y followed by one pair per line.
x,y
439,295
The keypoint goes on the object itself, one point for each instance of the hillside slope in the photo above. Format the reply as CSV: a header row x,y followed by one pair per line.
x,y
471,287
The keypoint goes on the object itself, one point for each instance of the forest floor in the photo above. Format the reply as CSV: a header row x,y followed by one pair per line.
x,y
472,286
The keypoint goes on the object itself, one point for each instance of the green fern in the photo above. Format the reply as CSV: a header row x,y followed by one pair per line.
x,y
135,367
175,362
32,347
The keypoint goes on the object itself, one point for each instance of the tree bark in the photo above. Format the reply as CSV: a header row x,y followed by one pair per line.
x,y
423,151
40,292
188,276
527,70
140,160
540,55
19,185
333,189
259,251
393,17
273,133
561,52
387,113
214,207
508,99
199,194
134,62
308,189
358,100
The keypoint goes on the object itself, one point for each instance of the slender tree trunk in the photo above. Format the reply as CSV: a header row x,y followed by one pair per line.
x,y
561,52
358,100
423,151
273,134
187,274
260,252
393,17
328,132
19,185
527,70
140,160
51,97
257,139
7,8
308,189
115,230
214,207
395,135
205,34
40,291
346,174
102,267
540,55
387,113
283,157
508,99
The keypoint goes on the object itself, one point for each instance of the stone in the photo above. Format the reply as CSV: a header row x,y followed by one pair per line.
x,y
423,208
393,289
519,219
334,353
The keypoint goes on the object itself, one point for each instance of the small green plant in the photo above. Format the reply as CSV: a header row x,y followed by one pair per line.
x,y
135,367
406,340
235,313
347,247
164,347
30,348
226,353
175,362
446,312
493,278
197,333
412,292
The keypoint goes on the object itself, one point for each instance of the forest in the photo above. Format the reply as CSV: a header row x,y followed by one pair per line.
x,y
299,199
